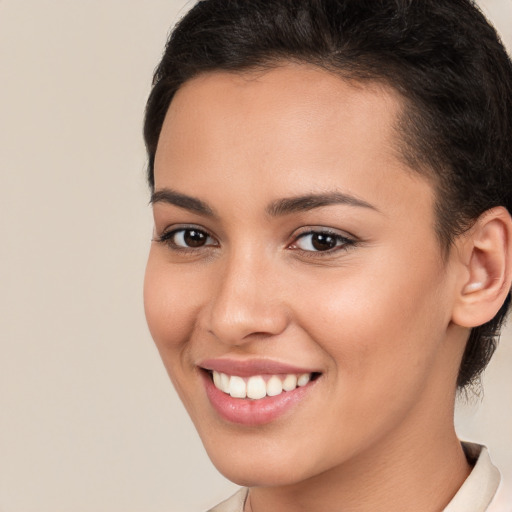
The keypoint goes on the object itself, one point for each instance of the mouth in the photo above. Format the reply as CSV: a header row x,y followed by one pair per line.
x,y
258,387
255,393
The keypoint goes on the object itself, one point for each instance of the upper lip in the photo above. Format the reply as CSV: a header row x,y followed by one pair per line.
x,y
249,367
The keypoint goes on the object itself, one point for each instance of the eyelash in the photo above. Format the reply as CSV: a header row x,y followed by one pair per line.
x,y
344,242
167,238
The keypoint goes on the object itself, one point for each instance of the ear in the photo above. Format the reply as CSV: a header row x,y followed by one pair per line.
x,y
484,282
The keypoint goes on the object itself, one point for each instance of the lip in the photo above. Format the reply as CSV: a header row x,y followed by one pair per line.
x,y
250,367
245,411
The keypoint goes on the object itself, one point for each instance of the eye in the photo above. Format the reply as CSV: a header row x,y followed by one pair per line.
x,y
321,241
187,238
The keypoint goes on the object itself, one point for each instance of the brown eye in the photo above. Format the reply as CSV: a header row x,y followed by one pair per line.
x,y
321,241
194,238
188,238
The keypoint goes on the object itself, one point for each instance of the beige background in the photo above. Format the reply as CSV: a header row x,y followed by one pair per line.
x,y
88,419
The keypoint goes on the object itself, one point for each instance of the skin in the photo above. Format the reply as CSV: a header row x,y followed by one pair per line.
x,y
375,317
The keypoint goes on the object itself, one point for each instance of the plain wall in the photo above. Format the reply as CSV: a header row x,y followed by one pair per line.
x,y
88,418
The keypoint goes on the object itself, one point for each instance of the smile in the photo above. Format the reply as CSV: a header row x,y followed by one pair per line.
x,y
258,386
255,392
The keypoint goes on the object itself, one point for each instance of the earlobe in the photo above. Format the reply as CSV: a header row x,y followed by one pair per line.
x,y
486,255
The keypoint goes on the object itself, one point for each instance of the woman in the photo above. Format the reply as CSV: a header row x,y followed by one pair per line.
x,y
332,256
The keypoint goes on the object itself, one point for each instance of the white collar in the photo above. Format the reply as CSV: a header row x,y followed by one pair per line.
x,y
480,486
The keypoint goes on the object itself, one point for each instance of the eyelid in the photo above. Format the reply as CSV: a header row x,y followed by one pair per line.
x,y
347,240
307,230
165,237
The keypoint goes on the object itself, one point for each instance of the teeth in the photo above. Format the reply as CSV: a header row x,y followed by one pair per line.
x,y
290,383
303,379
217,380
257,387
237,387
274,386
224,383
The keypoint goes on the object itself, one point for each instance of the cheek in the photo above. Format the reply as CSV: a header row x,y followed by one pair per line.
x,y
382,339
381,324
170,302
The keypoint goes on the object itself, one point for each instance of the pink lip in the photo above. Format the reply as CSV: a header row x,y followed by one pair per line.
x,y
245,411
247,368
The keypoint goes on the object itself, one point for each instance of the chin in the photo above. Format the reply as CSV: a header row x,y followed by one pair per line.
x,y
248,473
259,462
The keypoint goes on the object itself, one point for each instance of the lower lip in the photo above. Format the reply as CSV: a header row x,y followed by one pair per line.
x,y
245,411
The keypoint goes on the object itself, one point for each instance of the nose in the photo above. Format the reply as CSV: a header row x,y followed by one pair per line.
x,y
247,302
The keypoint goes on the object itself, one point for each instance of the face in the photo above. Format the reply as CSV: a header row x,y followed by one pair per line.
x,y
295,286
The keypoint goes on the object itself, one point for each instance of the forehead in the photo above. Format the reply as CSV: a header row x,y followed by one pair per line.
x,y
290,98
292,127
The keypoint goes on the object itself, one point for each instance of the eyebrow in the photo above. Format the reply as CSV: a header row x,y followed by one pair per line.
x,y
166,195
311,201
277,208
